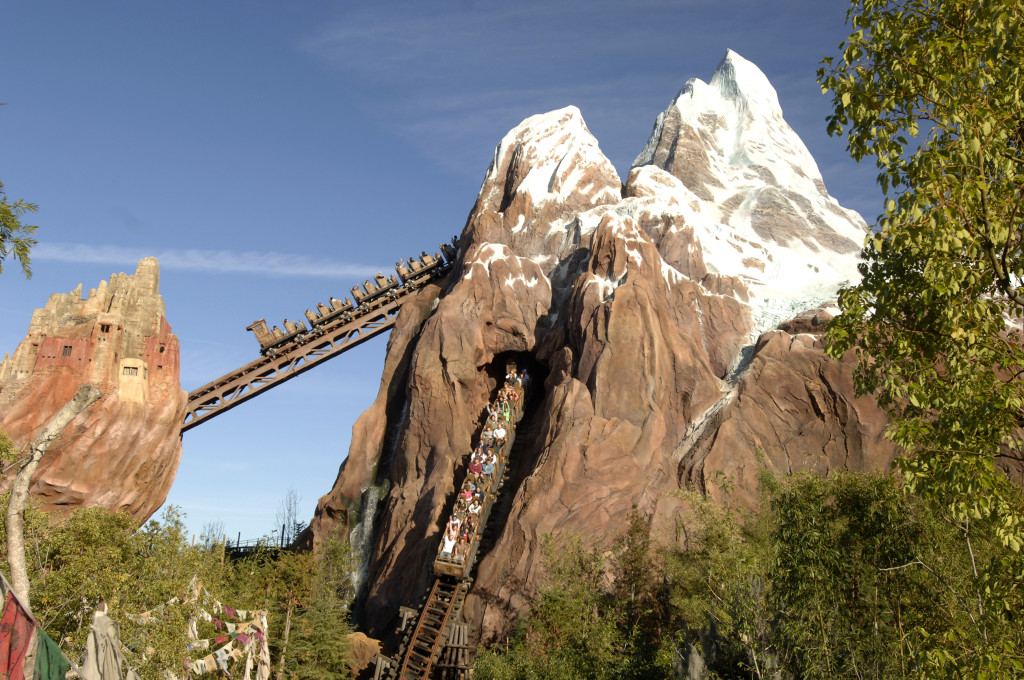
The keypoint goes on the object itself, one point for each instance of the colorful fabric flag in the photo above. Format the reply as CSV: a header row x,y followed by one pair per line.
x,y
50,661
222,659
229,611
243,638
219,639
15,633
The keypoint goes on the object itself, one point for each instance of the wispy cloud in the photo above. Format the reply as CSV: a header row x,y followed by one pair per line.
x,y
265,263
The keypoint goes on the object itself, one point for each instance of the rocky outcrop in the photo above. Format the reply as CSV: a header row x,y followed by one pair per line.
x,y
649,317
123,451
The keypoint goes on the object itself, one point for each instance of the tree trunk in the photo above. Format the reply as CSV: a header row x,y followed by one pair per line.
x,y
284,644
86,395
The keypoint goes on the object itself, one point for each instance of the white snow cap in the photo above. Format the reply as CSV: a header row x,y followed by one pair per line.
x,y
555,149
739,80
763,213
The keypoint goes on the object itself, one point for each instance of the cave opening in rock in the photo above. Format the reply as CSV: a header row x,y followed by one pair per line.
x,y
496,370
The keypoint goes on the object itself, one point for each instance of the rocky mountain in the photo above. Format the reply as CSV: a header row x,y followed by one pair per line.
x,y
672,325
122,452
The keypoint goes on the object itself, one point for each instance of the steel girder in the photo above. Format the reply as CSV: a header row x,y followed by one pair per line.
x,y
256,377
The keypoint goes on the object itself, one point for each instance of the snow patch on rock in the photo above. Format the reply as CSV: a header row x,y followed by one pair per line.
x,y
549,157
722,159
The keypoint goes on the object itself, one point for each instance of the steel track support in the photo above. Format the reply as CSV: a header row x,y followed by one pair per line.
x,y
253,379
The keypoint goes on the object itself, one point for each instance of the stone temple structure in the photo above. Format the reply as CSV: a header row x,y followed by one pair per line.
x,y
123,451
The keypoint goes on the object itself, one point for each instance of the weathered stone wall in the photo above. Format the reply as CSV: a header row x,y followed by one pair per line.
x,y
123,451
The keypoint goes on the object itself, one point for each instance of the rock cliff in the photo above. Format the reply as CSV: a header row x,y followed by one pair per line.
x,y
672,325
123,451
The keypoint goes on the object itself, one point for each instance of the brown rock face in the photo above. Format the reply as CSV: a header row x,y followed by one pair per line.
x,y
363,651
123,451
644,314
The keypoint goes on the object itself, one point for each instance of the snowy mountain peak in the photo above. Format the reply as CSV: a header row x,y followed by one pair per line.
x,y
546,157
763,213
741,81
725,189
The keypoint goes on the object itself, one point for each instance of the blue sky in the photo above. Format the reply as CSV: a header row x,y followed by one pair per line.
x,y
271,154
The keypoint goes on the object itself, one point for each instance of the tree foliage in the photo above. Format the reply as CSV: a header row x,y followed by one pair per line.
x,y
933,92
15,237
321,645
596,616
96,556
845,577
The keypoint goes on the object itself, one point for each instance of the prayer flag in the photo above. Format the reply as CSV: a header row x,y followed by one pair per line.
x,y
50,662
15,633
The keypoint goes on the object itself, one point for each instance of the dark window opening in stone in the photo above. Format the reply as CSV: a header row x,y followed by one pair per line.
x,y
162,349
104,327
65,351
131,370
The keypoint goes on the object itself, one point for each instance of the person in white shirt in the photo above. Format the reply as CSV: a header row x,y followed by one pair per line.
x,y
450,539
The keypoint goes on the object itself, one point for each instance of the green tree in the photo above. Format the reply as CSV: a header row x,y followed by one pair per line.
x,y
321,644
847,604
931,89
572,630
96,556
718,586
598,615
15,237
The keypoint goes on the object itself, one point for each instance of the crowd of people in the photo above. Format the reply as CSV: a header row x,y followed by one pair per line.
x,y
483,473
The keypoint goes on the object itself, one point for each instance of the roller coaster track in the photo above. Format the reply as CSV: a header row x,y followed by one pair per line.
x,y
424,645
308,351
419,655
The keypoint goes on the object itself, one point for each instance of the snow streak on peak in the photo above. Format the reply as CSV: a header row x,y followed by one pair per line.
x,y
749,188
737,79
550,156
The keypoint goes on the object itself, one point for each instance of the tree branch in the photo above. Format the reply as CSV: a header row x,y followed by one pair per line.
x,y
85,396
